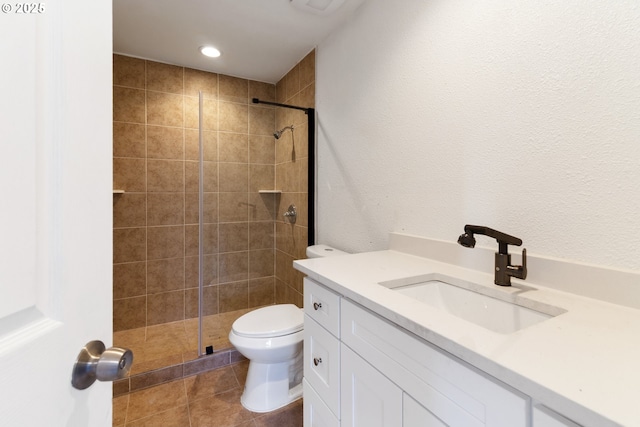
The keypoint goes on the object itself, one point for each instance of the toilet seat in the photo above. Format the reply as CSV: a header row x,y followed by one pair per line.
x,y
273,321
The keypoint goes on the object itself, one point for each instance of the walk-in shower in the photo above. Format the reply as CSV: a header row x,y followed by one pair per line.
x,y
199,233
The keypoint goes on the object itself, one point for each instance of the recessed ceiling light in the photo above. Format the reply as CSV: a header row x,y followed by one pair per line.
x,y
209,51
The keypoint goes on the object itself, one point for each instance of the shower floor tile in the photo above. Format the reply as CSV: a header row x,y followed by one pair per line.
x,y
168,344
208,399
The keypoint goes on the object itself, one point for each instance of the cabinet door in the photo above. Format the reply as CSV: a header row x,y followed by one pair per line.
x,y
316,413
368,398
416,415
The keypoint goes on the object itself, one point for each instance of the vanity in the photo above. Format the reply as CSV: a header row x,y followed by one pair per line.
x,y
418,335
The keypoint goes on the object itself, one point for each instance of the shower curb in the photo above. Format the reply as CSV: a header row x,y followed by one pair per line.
x,y
175,372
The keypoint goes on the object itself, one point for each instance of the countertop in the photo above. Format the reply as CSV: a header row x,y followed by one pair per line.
x,y
582,363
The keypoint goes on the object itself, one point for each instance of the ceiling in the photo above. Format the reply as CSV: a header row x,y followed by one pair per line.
x,y
259,39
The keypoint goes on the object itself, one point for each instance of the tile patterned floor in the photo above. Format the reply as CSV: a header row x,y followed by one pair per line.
x,y
168,344
211,399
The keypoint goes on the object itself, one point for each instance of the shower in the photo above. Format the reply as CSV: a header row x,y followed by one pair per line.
x,y
278,134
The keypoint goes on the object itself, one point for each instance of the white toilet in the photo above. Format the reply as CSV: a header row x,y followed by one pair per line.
x,y
271,338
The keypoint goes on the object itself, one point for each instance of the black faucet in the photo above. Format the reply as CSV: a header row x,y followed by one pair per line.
x,y
503,268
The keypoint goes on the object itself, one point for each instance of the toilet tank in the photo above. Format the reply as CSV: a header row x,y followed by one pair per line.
x,y
320,251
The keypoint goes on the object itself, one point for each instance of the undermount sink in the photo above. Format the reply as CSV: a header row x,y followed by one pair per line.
x,y
503,311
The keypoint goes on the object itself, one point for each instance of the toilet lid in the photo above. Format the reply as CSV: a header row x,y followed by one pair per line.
x,y
273,321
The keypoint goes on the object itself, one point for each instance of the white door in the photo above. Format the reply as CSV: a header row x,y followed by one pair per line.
x,y
55,208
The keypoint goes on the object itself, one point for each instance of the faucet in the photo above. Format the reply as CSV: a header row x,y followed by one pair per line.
x,y
503,268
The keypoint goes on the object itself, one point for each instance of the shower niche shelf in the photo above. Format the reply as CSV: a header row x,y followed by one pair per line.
x,y
270,191
118,191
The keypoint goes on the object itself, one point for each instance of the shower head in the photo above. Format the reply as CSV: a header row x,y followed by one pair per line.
x,y
278,134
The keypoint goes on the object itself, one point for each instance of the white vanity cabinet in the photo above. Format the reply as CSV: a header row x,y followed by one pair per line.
x,y
545,417
321,356
389,378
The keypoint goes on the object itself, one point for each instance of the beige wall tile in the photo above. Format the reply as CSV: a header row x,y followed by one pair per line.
x,y
128,140
233,207
165,242
234,236
233,88
191,176
128,105
308,69
165,209
233,147
164,109
128,71
129,280
261,263
165,307
129,313
165,142
165,77
211,180
261,235
210,235
263,207
234,296
261,291
210,269
292,82
196,80
129,174
129,210
261,177
129,244
191,237
261,120
165,176
262,149
308,96
233,177
169,107
232,267
165,275
262,91
233,117
192,145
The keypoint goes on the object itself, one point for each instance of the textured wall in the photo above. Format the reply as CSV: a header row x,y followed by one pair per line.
x,y
523,116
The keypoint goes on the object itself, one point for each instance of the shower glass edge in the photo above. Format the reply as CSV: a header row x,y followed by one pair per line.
x,y
200,221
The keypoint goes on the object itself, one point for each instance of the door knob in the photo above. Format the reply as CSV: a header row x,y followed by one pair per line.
x,y
96,363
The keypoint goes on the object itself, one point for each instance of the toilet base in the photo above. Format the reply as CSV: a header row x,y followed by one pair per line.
x,y
270,386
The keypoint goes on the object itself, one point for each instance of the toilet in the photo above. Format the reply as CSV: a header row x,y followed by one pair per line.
x,y
271,338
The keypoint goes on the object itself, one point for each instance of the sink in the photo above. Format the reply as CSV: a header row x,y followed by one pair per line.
x,y
494,309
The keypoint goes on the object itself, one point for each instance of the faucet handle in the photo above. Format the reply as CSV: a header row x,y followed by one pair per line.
x,y
519,271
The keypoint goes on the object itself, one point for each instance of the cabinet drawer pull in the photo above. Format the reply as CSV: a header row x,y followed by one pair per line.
x,y
317,306
317,361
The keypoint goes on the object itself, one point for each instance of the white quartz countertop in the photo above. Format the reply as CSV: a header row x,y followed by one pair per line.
x,y
583,363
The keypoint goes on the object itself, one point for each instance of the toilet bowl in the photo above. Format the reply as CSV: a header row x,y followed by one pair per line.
x,y
271,338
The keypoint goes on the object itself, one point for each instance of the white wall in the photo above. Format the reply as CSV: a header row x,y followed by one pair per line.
x,y
523,116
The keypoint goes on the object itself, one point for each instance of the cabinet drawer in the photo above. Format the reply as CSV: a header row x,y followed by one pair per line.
x,y
452,390
322,363
322,305
316,413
